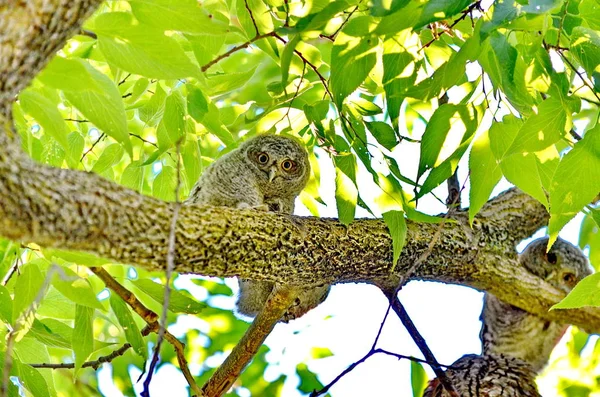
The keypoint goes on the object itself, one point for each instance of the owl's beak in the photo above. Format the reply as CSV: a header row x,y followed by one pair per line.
x,y
272,173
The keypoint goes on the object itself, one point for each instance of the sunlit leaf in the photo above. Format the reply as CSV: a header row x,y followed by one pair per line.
x,y
178,302
585,45
397,226
140,50
346,193
132,332
83,335
484,174
183,15
576,181
585,293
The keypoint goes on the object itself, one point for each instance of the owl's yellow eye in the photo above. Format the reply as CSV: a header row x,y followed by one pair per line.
x,y
262,158
288,165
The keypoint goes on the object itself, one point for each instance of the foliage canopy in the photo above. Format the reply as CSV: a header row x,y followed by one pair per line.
x,y
509,88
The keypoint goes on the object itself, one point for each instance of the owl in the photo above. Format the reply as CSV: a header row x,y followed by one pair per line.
x,y
516,344
266,172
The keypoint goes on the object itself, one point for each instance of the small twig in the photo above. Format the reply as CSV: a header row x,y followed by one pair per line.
x,y
334,34
88,33
124,79
235,49
420,342
95,363
143,140
252,18
453,199
168,273
581,76
101,137
78,120
287,113
313,67
575,135
372,352
13,270
465,13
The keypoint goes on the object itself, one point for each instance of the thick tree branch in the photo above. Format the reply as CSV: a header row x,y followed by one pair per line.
x,y
82,211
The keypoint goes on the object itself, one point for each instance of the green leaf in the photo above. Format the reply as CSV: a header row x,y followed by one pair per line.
x,y
316,21
484,174
83,335
286,58
44,334
132,332
542,129
105,109
447,121
397,226
75,288
32,379
80,258
165,183
178,302
75,150
585,46
320,352
418,379
585,293
171,129
206,47
183,15
576,181
308,379
192,163
223,83
140,50
151,113
436,10
589,10
383,133
27,288
196,103
589,236
352,59
346,192
111,156
133,176
6,305
69,74
523,170
45,113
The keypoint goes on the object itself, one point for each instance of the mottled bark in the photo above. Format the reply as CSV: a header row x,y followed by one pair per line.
x,y
82,211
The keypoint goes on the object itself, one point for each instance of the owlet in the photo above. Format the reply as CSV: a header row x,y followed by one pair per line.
x,y
516,343
266,171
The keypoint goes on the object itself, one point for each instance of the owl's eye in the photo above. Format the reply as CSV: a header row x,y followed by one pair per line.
x,y
288,165
551,256
569,278
262,158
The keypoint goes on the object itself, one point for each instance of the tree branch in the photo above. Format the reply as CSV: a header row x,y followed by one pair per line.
x,y
280,299
82,211
151,319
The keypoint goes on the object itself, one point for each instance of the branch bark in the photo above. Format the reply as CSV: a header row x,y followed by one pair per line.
x,y
82,211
